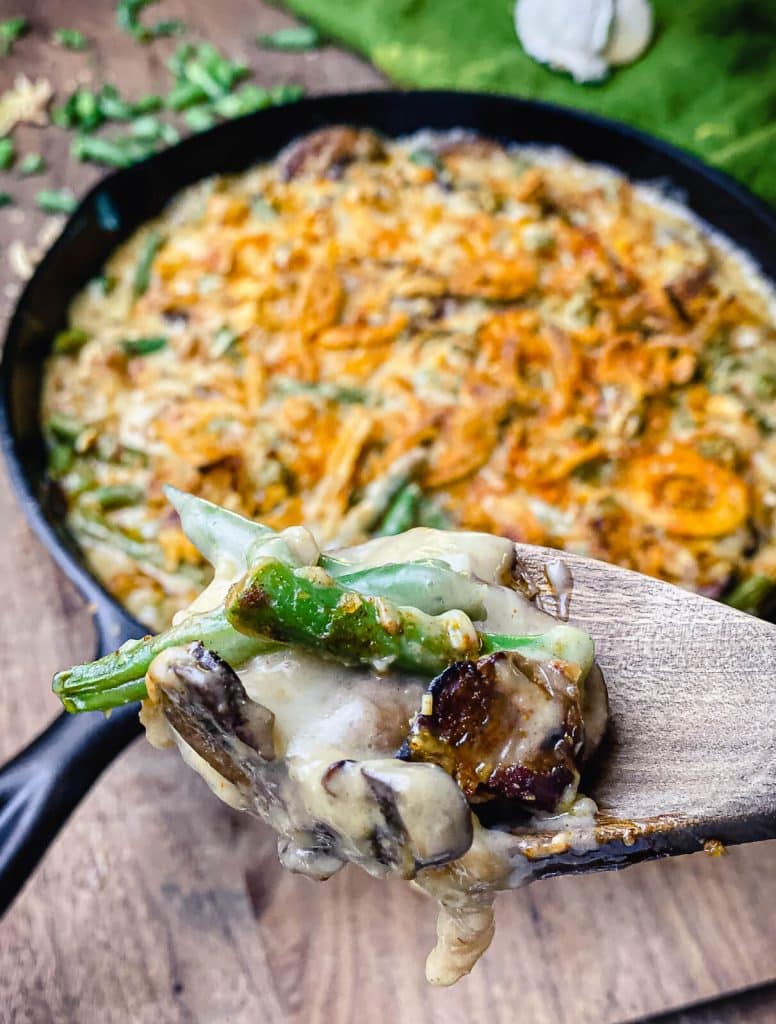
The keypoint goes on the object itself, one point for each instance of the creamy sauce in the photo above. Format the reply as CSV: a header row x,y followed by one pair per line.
x,y
335,784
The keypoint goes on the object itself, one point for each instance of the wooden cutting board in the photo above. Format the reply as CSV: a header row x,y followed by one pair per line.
x,y
159,904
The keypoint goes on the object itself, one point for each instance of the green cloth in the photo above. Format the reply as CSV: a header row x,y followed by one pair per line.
x,y
706,83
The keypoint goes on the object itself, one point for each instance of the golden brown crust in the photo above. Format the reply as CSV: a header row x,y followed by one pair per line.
x,y
580,368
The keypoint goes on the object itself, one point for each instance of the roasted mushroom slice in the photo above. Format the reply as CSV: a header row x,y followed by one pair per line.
x,y
205,703
505,726
327,152
389,817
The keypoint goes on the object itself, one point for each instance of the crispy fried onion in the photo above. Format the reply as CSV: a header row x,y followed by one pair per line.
x,y
683,493
514,343
646,367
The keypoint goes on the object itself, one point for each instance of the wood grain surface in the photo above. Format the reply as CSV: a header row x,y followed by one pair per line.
x,y
692,695
158,904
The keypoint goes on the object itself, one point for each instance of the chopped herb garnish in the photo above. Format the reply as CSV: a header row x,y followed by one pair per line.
x,y
170,134
223,341
177,61
5,199
199,119
104,283
70,341
208,283
81,110
7,153
143,346
288,92
245,101
199,75
11,30
147,127
128,19
294,39
425,158
62,201
262,209
122,152
142,279
184,95
113,106
147,104
69,38
33,163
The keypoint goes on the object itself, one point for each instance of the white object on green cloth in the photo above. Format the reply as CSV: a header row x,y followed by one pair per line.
x,y
584,37
631,31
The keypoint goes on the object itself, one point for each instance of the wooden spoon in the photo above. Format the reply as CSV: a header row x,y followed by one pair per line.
x,y
690,753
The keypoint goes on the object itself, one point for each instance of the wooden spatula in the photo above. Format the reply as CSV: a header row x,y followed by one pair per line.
x,y
690,753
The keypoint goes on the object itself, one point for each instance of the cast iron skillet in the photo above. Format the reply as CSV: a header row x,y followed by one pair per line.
x,y
42,785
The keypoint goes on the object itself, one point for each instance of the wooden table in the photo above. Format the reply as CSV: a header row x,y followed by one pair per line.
x,y
159,904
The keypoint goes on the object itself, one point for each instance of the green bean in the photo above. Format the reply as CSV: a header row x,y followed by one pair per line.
x,y
98,684
91,525
749,595
402,512
431,586
106,700
432,516
70,341
216,532
116,495
275,602
143,346
378,496
60,459
566,643
7,153
142,278
332,392
64,428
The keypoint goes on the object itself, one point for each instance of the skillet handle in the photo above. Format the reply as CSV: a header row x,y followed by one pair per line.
x,y
42,785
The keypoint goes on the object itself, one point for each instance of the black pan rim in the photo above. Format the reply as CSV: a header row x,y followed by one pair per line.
x,y
674,156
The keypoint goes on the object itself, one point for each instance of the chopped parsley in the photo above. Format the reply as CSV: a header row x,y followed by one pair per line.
x,y
69,38
7,153
33,163
10,30
293,39
128,19
142,279
61,201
